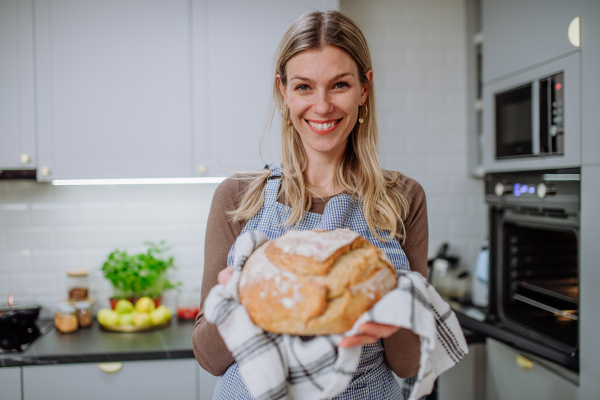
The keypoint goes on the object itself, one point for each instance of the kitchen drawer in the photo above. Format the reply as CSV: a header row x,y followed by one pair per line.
x,y
505,380
10,383
167,379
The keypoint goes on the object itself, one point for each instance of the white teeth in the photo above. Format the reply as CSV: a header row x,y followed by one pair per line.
x,y
322,126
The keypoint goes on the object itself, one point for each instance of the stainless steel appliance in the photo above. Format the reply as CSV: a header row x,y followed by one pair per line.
x,y
534,259
531,119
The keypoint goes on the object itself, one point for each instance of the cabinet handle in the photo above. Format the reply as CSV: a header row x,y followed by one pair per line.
x,y
45,171
524,363
110,367
25,158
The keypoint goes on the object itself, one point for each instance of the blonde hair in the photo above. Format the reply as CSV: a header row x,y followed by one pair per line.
x,y
358,171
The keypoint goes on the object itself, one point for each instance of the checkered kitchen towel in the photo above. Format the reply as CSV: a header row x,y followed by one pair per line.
x,y
284,366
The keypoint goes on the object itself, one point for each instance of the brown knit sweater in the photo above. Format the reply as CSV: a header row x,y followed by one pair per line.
x,y
401,349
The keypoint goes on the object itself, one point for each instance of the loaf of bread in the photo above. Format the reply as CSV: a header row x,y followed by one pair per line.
x,y
314,282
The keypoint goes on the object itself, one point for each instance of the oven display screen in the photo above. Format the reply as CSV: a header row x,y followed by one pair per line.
x,y
520,189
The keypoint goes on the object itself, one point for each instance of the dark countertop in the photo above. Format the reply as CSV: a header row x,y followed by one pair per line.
x,y
96,345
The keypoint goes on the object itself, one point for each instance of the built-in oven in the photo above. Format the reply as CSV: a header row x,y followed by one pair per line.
x,y
534,259
532,119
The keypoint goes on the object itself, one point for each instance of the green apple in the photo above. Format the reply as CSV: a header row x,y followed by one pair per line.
x,y
167,311
142,319
124,306
108,317
126,319
145,304
160,315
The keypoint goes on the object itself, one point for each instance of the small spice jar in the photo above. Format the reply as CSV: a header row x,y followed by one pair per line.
x,y
83,312
65,319
78,284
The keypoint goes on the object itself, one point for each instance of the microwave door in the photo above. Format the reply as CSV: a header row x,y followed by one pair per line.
x,y
515,122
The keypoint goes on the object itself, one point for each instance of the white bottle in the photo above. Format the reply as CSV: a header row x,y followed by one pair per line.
x,y
480,282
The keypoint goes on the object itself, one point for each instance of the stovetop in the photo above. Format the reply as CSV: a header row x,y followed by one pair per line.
x,y
43,326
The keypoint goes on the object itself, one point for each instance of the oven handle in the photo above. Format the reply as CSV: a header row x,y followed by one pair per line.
x,y
544,307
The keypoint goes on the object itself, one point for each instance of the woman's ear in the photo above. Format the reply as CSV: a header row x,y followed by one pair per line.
x,y
281,86
365,87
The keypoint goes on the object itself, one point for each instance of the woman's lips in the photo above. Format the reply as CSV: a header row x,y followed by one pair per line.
x,y
320,127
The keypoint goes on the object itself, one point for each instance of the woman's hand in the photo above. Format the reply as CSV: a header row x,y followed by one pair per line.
x,y
225,276
370,332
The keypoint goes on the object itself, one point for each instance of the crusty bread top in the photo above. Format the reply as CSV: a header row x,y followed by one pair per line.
x,y
312,252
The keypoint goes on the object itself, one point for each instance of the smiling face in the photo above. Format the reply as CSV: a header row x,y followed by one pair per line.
x,y
323,92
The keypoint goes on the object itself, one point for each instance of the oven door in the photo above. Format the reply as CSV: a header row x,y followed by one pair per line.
x,y
537,276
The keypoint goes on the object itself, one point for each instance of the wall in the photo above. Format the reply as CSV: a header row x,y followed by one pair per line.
x,y
46,230
418,49
419,54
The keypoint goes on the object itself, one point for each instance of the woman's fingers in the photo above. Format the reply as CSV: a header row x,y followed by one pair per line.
x,y
378,330
225,276
370,332
357,340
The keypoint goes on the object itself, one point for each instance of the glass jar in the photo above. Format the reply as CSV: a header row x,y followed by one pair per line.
x,y
188,303
65,319
83,312
78,284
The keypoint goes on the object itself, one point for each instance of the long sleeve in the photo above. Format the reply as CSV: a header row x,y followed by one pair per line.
x,y
209,348
402,350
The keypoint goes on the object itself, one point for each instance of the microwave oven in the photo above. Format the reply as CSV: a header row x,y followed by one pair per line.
x,y
532,119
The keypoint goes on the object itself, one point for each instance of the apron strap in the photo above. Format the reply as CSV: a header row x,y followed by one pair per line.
x,y
272,188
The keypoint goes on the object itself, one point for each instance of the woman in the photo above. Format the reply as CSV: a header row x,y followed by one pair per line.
x,y
329,177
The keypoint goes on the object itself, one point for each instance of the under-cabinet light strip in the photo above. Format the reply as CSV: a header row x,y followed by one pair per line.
x,y
138,181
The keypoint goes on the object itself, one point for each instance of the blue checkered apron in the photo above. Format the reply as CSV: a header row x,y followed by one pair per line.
x,y
373,379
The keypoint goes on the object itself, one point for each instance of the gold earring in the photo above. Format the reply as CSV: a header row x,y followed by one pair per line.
x,y
362,119
289,122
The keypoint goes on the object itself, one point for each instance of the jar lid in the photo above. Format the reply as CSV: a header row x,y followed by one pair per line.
x,y
82,305
78,272
65,308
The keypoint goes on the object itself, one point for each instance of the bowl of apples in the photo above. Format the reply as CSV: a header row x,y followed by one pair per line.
x,y
142,317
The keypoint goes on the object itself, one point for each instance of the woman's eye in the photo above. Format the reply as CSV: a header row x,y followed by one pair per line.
x,y
341,85
302,87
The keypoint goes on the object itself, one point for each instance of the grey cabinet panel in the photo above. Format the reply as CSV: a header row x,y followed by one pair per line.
x,y
466,380
17,112
505,380
206,384
589,276
520,34
10,383
172,379
590,88
243,37
113,88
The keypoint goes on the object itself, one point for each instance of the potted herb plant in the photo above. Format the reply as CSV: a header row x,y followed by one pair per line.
x,y
139,275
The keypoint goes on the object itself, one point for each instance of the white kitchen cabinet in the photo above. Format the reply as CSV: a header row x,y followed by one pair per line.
x,y
10,383
165,379
520,34
113,88
241,38
506,380
17,123
206,384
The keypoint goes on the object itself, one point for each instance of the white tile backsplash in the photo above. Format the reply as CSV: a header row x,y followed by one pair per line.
x,y
30,237
15,260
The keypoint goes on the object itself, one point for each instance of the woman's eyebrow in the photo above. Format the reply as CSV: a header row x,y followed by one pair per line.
x,y
302,78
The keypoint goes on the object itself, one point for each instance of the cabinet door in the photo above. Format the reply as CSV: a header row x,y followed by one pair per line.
x,y
505,380
10,383
113,87
520,34
168,379
17,124
241,40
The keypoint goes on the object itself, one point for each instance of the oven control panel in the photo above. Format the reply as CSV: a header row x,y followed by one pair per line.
x,y
548,188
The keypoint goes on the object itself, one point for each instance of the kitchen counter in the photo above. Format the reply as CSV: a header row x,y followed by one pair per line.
x,y
96,345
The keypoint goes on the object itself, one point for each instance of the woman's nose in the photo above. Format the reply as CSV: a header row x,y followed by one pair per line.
x,y
323,103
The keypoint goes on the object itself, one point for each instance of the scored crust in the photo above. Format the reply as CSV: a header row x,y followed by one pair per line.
x,y
314,282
